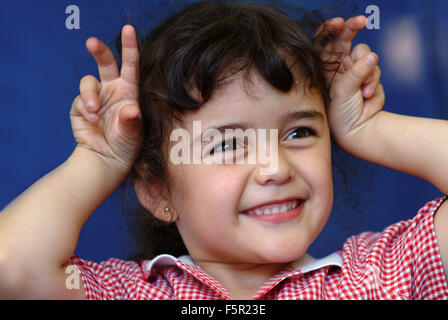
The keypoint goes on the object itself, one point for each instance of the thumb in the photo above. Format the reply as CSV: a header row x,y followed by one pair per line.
x,y
130,120
353,78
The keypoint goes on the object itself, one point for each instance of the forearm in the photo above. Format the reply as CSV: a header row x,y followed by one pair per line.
x,y
42,225
413,145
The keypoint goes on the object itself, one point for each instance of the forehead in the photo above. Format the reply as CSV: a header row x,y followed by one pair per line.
x,y
254,101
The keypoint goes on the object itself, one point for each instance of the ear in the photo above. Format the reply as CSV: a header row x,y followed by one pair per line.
x,y
154,198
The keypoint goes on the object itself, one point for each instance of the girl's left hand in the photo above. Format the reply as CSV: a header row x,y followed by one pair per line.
x,y
356,92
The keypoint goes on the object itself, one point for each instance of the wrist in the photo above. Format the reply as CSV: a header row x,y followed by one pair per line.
x,y
359,141
93,162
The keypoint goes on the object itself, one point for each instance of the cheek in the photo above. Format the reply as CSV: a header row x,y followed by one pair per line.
x,y
319,178
315,168
216,183
199,188
207,203
323,189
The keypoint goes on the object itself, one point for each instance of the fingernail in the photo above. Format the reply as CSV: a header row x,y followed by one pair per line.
x,y
92,116
90,105
371,59
366,91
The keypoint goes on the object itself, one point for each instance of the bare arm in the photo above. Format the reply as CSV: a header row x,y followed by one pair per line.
x,y
39,230
413,145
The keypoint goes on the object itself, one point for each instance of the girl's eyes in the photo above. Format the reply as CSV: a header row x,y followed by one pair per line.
x,y
233,144
302,132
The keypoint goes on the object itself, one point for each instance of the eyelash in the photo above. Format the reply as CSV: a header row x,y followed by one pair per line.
x,y
310,131
234,142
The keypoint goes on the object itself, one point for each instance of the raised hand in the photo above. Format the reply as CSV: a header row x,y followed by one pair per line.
x,y
106,116
356,92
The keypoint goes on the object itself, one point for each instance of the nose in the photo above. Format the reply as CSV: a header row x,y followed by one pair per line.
x,y
280,173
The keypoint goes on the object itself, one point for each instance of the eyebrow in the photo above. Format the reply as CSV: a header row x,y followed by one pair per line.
x,y
292,115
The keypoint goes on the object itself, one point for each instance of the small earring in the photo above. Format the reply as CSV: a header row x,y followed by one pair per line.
x,y
167,210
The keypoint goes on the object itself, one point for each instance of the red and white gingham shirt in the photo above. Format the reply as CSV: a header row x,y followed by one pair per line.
x,y
402,262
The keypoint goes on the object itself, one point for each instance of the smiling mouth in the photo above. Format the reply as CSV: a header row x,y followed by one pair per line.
x,y
275,208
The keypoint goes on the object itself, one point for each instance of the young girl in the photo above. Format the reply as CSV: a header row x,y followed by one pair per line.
x,y
247,230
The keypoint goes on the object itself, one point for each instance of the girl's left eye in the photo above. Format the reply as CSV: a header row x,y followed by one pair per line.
x,y
302,132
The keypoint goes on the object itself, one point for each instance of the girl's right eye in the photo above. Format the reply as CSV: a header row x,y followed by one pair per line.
x,y
225,146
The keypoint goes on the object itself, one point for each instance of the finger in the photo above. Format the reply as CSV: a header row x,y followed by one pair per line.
x,y
130,120
107,66
79,109
351,27
343,41
376,102
89,88
74,111
379,96
333,25
344,34
351,80
360,50
369,86
130,54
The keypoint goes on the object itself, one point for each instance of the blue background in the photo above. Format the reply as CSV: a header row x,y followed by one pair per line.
x,y
42,63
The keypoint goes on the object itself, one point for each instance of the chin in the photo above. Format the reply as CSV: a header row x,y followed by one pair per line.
x,y
283,253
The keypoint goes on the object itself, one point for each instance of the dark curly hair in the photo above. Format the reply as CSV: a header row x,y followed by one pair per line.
x,y
196,49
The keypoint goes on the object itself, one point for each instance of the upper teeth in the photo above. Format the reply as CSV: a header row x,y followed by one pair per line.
x,y
275,208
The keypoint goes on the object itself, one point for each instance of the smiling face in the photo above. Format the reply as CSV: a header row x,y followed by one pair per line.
x,y
218,206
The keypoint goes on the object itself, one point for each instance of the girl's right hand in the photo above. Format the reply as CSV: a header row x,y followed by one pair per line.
x,y
105,117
